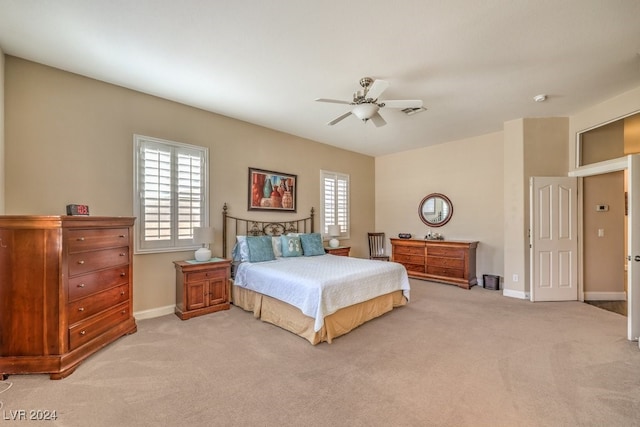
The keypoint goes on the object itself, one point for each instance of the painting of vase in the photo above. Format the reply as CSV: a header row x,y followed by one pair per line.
x,y
270,190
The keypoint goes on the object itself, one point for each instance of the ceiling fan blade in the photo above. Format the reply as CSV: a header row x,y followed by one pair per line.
x,y
376,89
378,120
337,119
333,101
403,103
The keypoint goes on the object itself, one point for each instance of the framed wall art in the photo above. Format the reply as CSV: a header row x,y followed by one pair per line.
x,y
273,191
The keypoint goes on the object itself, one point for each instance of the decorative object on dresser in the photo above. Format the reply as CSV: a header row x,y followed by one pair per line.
x,y
65,290
446,261
203,236
202,287
340,250
435,210
334,232
377,246
404,235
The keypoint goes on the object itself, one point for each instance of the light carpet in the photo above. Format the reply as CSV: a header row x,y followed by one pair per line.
x,y
451,357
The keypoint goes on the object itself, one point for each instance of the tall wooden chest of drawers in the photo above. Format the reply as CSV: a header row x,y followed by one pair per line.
x,y
65,290
445,261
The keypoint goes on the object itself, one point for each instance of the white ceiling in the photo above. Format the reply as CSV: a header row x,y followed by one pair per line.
x,y
475,64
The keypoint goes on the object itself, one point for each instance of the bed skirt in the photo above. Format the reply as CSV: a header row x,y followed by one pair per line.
x,y
288,317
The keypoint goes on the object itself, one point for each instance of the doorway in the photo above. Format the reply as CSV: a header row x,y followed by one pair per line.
x,y
604,232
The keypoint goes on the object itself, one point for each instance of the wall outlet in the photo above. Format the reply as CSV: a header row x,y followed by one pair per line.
x,y
515,277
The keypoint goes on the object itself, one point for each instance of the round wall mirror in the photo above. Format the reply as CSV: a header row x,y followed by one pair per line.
x,y
435,210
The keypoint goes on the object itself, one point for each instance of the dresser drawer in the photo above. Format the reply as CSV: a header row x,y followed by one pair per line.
x,y
95,326
445,262
86,307
82,286
445,272
408,259
445,252
408,250
84,262
99,238
199,276
415,268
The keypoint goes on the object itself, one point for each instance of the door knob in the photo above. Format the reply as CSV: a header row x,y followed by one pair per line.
x,y
636,258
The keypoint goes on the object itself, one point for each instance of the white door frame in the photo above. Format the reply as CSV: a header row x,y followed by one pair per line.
x,y
633,289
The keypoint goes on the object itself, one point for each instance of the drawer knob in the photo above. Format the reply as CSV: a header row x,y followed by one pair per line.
x,y
122,254
83,332
80,239
80,308
124,312
81,262
121,292
81,285
123,274
121,236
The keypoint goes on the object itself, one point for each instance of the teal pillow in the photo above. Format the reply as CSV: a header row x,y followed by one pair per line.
x,y
312,244
291,246
260,248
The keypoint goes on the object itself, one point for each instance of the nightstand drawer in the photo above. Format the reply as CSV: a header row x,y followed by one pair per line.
x,y
206,275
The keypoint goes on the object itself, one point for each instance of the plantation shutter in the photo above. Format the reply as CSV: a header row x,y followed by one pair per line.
x,y
335,202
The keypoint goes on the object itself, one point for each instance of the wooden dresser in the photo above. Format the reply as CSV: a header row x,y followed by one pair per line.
x,y
445,261
65,290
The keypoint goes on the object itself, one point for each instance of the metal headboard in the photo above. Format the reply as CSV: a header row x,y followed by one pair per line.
x,y
251,227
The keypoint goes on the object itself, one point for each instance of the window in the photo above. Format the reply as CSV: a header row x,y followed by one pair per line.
x,y
335,202
170,194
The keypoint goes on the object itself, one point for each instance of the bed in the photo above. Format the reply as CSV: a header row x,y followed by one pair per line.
x,y
315,295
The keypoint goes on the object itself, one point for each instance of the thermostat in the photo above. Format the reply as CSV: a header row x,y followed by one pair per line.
x,y
602,208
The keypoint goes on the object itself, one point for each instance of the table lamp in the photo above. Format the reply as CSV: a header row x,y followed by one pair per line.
x,y
204,236
334,231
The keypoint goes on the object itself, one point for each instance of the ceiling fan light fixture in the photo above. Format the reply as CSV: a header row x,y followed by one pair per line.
x,y
365,111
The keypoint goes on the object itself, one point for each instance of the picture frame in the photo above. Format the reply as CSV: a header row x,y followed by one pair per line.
x,y
272,191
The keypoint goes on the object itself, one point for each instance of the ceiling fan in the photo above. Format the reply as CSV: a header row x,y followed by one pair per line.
x,y
367,104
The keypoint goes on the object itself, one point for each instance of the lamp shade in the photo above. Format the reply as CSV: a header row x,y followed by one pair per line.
x,y
204,236
334,231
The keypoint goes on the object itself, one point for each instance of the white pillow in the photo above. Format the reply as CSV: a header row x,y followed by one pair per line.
x,y
241,249
277,246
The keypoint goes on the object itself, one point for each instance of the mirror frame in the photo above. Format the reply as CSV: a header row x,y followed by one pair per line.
x,y
435,224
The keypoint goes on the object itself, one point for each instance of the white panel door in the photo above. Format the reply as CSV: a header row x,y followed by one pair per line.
x,y
553,239
633,270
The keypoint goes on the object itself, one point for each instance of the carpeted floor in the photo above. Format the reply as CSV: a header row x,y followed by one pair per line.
x,y
451,357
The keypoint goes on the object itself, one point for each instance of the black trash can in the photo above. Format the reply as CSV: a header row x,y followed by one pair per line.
x,y
489,281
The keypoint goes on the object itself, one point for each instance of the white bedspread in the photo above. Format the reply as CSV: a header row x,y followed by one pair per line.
x,y
321,285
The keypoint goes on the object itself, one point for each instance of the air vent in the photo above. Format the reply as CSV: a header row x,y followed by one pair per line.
x,y
412,111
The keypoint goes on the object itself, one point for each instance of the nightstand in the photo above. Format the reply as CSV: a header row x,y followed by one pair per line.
x,y
340,250
202,287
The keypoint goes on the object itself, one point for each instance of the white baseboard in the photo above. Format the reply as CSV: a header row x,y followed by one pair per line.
x,y
605,296
154,312
515,294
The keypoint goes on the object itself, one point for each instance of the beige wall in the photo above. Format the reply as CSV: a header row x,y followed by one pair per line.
x,y
604,255
469,172
69,139
516,194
